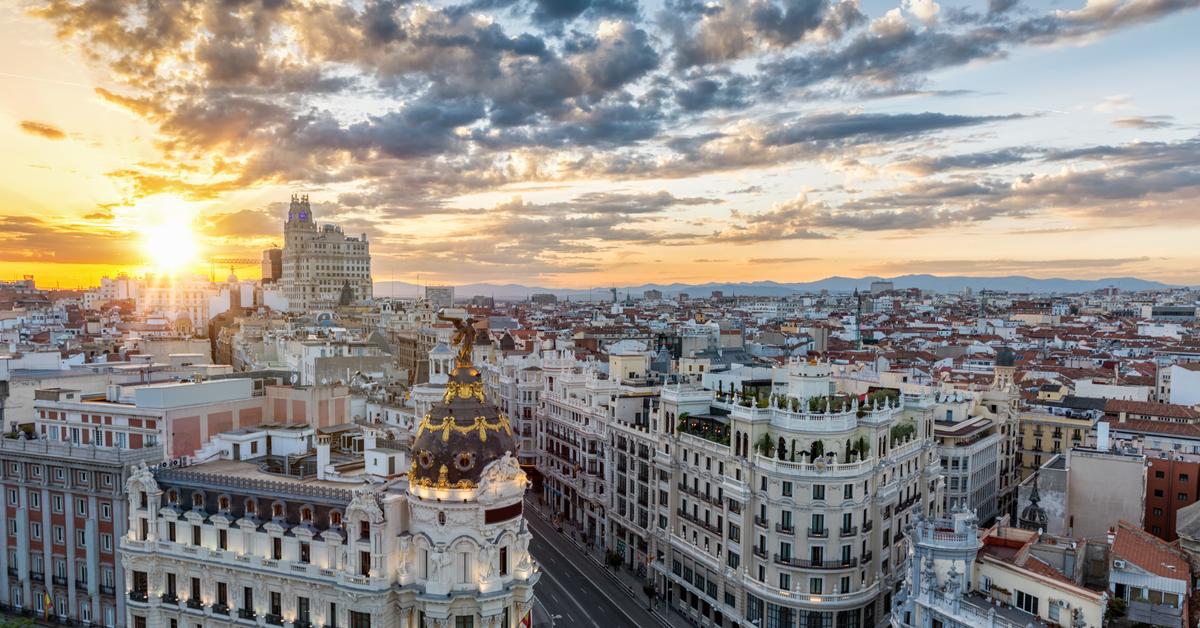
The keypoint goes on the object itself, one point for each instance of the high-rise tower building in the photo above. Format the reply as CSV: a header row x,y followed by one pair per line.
x,y
319,263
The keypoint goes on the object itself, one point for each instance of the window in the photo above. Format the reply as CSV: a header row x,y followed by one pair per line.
x,y
1027,603
848,491
304,552
59,535
1160,474
1183,477
787,489
276,603
785,582
360,620
276,548
816,585
171,531
223,539
106,511
503,567
464,621
1182,497
302,613
818,491
12,497
196,534
81,507
56,502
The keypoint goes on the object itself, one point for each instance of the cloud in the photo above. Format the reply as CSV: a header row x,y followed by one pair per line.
x,y
928,165
1145,122
781,260
1002,266
41,129
403,107
33,240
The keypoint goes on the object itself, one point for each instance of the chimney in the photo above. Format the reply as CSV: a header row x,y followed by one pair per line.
x,y
323,444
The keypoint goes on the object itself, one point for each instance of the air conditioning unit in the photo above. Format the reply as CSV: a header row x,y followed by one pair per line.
x,y
1060,603
1119,564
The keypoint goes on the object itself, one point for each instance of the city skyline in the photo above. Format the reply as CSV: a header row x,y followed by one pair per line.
x,y
603,143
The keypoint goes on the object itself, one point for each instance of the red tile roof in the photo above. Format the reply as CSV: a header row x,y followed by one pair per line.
x,y
1150,553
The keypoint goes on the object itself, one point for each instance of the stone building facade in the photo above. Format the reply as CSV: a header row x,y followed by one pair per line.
x,y
322,266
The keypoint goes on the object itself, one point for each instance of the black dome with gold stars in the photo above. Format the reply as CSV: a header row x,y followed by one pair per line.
x,y
462,433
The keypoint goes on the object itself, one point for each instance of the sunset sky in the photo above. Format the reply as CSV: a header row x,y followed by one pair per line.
x,y
579,143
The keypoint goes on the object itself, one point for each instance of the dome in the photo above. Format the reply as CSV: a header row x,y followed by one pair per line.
x,y
1033,516
462,433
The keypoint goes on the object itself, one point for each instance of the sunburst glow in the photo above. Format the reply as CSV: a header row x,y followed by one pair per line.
x,y
169,243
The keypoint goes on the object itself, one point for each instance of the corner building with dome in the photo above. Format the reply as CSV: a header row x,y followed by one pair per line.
x,y
351,526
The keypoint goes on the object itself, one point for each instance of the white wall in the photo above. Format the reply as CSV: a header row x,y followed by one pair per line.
x,y
1185,386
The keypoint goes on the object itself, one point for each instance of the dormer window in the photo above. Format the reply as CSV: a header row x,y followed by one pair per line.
x,y
197,500
364,529
335,519
251,507
223,504
173,497
276,511
306,515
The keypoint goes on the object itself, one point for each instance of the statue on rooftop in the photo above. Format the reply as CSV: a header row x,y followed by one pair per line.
x,y
464,337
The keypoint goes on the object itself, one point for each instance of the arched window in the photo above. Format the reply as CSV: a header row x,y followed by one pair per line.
x,y
223,503
276,510
173,497
251,507
306,515
197,500
335,519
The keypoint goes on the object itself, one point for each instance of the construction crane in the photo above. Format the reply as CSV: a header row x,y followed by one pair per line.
x,y
231,262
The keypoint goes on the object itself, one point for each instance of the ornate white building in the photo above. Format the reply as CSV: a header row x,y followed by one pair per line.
x,y
322,538
322,266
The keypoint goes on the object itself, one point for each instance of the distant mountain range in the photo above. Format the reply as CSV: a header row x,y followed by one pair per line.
x,y
932,283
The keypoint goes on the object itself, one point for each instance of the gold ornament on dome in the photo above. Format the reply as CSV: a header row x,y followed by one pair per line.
x,y
461,390
480,425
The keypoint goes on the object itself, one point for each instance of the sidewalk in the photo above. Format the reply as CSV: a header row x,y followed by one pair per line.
x,y
622,577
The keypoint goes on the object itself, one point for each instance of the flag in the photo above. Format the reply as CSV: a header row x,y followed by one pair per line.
x,y
527,620
47,603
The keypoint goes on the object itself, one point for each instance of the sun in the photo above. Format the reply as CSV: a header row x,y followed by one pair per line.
x,y
169,242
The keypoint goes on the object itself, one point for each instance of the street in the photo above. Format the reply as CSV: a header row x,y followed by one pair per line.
x,y
575,590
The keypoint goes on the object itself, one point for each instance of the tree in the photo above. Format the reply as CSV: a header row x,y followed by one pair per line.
x,y
765,445
818,450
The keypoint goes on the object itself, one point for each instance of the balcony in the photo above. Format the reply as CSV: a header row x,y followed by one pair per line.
x,y
107,589
867,556
169,598
845,532
220,609
867,526
273,619
138,596
59,580
760,552
195,604
790,561
761,522
12,571
782,529
245,613
38,576
822,533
